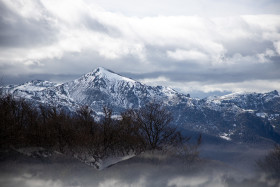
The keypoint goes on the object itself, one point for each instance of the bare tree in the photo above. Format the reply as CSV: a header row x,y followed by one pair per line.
x,y
129,133
154,122
270,164
85,118
190,152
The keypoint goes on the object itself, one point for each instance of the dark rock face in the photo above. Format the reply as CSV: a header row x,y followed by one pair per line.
x,y
240,117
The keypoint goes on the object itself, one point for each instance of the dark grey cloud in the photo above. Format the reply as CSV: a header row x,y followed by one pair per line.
x,y
22,78
247,46
186,73
16,31
95,25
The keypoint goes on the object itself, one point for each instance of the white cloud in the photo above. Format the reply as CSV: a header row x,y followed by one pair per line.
x,y
265,57
184,37
26,8
142,8
277,46
181,55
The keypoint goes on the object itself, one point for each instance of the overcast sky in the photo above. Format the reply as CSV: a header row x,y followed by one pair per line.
x,y
193,46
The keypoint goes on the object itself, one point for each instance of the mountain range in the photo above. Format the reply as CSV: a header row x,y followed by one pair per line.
x,y
237,117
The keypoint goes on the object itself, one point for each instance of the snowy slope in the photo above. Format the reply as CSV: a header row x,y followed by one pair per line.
x,y
248,101
102,87
34,85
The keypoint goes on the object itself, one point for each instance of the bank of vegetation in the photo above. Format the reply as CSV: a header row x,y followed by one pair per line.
x,y
78,134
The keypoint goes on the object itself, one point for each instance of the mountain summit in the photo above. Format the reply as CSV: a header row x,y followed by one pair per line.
x,y
107,74
103,87
236,117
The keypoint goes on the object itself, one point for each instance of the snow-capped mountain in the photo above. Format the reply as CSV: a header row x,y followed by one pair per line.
x,y
102,87
96,89
238,116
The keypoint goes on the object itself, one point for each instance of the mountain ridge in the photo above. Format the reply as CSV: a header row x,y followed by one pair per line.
x,y
222,116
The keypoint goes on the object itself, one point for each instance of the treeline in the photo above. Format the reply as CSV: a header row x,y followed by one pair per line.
x,y
23,125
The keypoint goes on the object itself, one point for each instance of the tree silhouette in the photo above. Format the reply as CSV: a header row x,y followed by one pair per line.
x,y
270,164
154,123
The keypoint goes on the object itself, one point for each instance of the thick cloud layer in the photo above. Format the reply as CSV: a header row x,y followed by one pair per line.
x,y
189,45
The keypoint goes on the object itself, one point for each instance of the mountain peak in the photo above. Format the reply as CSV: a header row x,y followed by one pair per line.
x,y
275,92
101,72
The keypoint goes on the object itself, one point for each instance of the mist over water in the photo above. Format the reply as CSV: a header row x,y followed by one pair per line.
x,y
220,165
241,157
